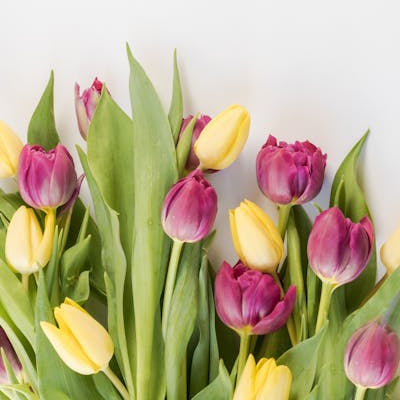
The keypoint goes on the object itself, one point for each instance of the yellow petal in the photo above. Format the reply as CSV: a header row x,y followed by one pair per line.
x,y
277,384
235,236
43,249
10,149
74,304
68,349
245,388
390,252
264,367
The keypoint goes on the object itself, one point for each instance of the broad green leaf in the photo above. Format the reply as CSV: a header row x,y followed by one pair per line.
x,y
155,171
42,127
9,203
214,351
176,109
183,146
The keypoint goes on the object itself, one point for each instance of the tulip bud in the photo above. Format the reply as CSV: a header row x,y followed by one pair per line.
x,y
85,105
189,209
390,252
263,381
290,173
223,138
80,341
372,356
250,301
26,247
46,180
255,237
339,249
192,161
11,357
10,149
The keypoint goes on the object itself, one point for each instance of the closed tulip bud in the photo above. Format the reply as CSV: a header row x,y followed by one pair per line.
x,y
256,239
189,209
85,105
390,252
46,180
80,341
249,301
192,161
339,249
27,248
290,173
264,381
372,356
12,358
10,149
223,138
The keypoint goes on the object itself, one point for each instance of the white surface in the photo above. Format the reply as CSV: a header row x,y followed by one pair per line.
x,y
305,69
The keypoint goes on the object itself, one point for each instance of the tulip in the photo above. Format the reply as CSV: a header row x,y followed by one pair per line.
x,y
189,209
10,149
290,173
46,180
264,381
256,239
372,356
85,105
11,358
390,252
26,247
223,138
192,161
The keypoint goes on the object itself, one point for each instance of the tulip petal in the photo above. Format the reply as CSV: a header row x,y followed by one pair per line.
x,y
245,388
264,368
277,385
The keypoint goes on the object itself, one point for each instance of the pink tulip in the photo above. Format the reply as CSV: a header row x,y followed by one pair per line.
x,y
290,173
11,357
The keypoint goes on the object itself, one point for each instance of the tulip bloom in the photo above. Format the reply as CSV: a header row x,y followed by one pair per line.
x,y
223,138
290,173
189,209
46,180
264,381
339,249
250,301
10,149
192,161
26,247
372,356
255,237
390,252
11,357
85,105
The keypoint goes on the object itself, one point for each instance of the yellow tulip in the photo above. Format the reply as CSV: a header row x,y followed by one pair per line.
x,y
390,252
80,341
10,148
255,237
223,138
27,247
264,381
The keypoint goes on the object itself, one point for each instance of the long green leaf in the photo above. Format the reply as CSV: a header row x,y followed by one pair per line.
x,y
176,109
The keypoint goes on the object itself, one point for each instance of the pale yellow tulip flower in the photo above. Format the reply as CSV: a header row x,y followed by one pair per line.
x,y
10,149
390,252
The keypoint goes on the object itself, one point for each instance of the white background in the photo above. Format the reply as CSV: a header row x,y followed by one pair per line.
x,y
317,70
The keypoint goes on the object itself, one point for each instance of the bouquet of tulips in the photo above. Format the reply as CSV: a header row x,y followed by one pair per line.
x,y
122,302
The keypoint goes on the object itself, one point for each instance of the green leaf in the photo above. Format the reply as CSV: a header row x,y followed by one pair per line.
x,y
52,271
176,109
42,127
155,171
9,203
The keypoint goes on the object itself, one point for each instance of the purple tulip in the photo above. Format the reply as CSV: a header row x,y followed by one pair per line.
x,y
339,249
290,173
85,105
11,357
46,179
193,162
248,300
190,208
372,356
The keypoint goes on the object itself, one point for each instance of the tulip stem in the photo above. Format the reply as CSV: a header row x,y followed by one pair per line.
x,y
117,383
360,393
324,303
25,281
243,353
284,212
170,283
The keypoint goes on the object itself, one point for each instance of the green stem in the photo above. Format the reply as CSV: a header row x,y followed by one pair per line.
x,y
360,393
243,353
284,212
117,383
170,283
324,303
25,281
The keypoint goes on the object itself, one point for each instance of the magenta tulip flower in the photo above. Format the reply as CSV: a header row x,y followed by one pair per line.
x,y
46,180
290,173
339,249
189,209
372,356
11,357
193,162
85,105
249,301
